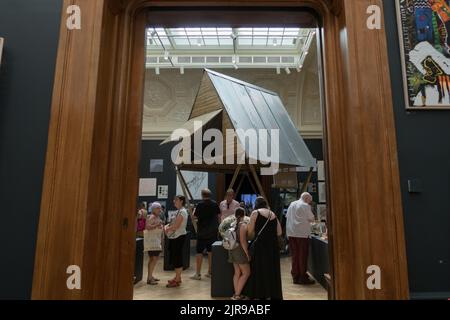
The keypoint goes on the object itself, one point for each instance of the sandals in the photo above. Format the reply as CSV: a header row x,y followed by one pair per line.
x,y
173,283
152,282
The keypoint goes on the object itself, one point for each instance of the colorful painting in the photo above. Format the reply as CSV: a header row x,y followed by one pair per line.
x,y
424,27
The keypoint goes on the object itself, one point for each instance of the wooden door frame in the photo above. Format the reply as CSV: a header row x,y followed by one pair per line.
x,y
91,173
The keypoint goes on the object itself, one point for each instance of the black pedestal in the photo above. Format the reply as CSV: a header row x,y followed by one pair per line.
x,y
139,260
318,263
222,272
186,253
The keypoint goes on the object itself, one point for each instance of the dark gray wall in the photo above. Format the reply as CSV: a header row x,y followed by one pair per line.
x,y
424,153
30,29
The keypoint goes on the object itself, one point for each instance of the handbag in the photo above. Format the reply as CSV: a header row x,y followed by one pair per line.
x,y
251,247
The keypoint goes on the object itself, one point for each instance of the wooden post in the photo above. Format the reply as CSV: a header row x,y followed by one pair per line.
x,y
183,182
236,173
240,184
258,182
187,194
308,180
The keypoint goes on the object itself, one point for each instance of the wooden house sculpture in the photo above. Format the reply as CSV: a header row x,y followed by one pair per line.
x,y
225,103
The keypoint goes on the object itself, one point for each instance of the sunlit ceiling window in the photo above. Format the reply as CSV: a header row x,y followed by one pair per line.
x,y
222,38
228,47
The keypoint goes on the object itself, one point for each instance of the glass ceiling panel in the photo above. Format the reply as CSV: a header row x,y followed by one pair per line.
x,y
185,39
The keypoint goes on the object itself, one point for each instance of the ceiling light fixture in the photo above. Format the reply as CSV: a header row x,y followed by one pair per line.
x,y
181,70
288,71
299,69
166,55
275,42
236,66
233,36
199,42
278,70
233,59
157,70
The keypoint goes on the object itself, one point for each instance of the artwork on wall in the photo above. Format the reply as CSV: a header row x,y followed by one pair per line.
x,y
321,170
156,165
147,187
424,29
163,192
196,181
322,192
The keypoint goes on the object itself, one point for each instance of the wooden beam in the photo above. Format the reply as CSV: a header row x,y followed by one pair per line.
x,y
307,181
258,182
235,175
240,183
185,184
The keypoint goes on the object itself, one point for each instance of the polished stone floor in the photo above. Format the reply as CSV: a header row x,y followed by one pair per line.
x,y
200,290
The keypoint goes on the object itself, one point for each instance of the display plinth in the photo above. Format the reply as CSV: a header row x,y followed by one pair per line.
x,y
222,272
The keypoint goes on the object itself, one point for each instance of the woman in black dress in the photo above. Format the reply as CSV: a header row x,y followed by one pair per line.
x,y
265,279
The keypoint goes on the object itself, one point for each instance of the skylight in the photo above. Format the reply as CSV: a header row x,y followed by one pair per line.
x,y
228,46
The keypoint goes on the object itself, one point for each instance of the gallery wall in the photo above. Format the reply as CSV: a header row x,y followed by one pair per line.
x,y
424,155
31,30
151,149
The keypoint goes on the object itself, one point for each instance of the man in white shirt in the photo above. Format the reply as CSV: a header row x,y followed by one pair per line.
x,y
228,205
298,229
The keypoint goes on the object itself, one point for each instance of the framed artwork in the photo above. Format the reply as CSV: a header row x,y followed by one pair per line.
x,y
424,30
147,187
163,192
156,165
322,192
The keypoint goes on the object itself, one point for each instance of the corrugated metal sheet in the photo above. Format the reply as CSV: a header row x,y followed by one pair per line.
x,y
251,107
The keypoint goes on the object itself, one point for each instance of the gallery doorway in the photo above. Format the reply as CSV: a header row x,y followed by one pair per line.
x,y
183,54
101,162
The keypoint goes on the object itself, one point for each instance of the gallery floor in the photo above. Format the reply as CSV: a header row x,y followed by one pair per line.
x,y
200,290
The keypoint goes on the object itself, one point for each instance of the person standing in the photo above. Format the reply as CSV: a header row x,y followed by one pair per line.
x,y
141,218
265,279
298,229
239,256
229,205
207,214
176,232
153,240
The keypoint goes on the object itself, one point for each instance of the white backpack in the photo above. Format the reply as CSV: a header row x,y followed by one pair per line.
x,y
230,240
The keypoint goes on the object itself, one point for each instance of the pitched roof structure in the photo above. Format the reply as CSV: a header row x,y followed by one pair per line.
x,y
245,106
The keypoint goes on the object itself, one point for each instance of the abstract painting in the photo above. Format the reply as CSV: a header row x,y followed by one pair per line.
x,y
424,29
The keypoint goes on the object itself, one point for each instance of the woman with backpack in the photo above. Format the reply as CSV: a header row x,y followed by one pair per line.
x,y
239,255
265,280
